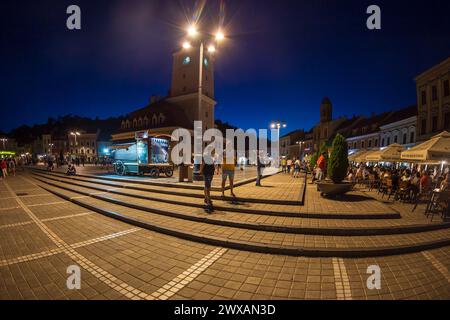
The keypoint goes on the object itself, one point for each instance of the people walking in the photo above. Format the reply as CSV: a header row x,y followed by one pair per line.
x,y
12,167
4,167
207,169
228,172
283,164
321,167
259,169
289,165
296,168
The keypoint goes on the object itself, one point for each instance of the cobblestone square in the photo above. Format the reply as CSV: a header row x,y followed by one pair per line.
x,y
157,243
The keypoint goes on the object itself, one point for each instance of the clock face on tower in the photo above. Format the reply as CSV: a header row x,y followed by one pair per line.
x,y
187,60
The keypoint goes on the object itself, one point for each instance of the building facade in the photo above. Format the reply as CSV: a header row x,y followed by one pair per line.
x,y
83,145
292,144
326,129
433,100
382,130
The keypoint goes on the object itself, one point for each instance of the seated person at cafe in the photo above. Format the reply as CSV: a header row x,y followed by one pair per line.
x,y
445,184
424,181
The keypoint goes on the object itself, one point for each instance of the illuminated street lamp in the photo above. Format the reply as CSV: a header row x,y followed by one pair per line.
x,y
186,45
51,145
278,125
220,36
4,140
192,32
211,49
300,145
75,134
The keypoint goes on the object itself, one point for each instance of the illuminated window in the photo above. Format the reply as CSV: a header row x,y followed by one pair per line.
x,y
186,60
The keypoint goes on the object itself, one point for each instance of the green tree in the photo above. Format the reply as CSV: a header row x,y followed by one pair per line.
x,y
338,163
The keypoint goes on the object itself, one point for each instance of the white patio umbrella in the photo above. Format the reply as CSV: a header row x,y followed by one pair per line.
x,y
360,156
391,153
437,149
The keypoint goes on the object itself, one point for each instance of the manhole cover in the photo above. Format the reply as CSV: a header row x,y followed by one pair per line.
x,y
21,194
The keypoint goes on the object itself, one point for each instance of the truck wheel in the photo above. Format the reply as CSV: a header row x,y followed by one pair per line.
x,y
154,173
169,172
120,168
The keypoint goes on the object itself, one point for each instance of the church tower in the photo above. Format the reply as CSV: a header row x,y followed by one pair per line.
x,y
326,110
184,89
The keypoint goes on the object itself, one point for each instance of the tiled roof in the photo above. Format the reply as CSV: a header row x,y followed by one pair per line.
x,y
401,114
174,115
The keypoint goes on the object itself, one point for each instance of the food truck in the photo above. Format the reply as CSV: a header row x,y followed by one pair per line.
x,y
146,155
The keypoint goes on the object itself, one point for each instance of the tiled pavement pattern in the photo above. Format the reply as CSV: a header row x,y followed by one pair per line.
x,y
150,264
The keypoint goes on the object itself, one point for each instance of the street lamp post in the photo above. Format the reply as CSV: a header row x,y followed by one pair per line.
x,y
75,134
193,33
278,125
300,145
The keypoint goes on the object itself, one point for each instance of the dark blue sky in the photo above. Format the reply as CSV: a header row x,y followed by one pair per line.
x,y
281,58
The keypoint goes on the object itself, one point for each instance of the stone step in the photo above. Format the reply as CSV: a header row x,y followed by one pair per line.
x,y
177,185
258,240
160,188
272,210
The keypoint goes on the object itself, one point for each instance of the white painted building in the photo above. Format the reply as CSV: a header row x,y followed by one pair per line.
x,y
402,132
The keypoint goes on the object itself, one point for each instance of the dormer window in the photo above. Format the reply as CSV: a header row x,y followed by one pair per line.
x,y
162,118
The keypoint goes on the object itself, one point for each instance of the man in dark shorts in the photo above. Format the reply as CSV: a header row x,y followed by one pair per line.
x,y
207,170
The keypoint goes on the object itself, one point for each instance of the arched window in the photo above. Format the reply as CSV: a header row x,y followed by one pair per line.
x,y
128,124
162,118
146,121
134,123
140,122
154,120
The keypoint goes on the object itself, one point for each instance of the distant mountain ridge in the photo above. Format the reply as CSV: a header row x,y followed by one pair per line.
x,y
61,126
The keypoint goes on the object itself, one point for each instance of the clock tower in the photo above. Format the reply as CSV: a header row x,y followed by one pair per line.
x,y
184,90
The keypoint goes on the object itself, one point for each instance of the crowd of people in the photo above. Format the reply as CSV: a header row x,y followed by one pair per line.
x,y
9,166
417,178
293,166
214,166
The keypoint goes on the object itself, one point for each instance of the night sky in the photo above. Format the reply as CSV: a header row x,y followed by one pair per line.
x,y
280,59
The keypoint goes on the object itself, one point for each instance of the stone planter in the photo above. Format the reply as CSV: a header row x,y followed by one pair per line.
x,y
334,189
